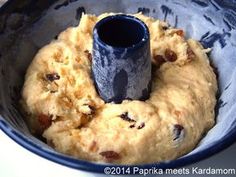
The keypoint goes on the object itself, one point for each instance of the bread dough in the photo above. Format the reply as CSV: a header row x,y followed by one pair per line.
x,y
62,104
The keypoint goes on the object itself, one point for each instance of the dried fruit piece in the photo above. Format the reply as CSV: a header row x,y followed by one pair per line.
x,y
110,155
159,60
180,33
44,120
89,55
52,77
141,125
170,55
190,53
126,117
178,130
53,91
165,28
132,126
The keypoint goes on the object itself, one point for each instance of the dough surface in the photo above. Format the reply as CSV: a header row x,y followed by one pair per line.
x,y
63,106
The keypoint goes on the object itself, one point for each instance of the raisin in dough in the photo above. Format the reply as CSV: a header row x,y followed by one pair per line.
x,y
61,103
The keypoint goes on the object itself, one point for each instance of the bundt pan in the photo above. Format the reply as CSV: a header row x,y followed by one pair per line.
x,y
27,25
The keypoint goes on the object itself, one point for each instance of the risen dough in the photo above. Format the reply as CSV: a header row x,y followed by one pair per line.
x,y
62,104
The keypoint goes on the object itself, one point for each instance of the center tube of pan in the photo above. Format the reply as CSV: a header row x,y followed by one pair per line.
x,y
121,64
